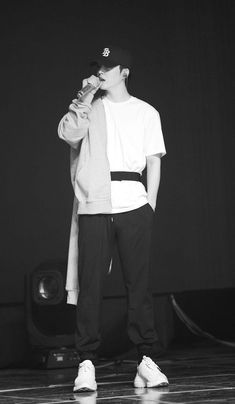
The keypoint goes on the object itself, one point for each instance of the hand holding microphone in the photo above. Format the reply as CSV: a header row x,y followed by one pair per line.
x,y
89,86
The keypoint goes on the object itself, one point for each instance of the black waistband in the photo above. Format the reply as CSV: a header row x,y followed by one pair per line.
x,y
125,176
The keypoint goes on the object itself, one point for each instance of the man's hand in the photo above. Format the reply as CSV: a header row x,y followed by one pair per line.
x,y
94,81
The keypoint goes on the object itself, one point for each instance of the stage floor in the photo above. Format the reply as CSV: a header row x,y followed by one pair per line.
x,y
201,373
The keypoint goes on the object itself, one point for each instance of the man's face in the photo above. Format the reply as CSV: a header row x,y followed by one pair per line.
x,y
110,77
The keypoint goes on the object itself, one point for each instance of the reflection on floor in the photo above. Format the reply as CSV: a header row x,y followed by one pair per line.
x,y
201,373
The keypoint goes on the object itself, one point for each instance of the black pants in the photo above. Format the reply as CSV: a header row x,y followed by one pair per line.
x,y
132,231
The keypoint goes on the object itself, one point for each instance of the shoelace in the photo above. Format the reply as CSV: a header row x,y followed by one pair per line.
x,y
150,363
85,367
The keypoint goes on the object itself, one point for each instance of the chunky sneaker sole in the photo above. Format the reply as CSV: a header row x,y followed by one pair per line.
x,y
85,387
140,382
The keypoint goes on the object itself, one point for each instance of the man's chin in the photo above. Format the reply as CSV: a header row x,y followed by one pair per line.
x,y
103,86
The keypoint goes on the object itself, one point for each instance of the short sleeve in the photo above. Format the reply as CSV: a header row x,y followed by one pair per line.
x,y
153,137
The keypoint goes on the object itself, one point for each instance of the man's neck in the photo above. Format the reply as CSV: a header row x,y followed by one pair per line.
x,y
118,94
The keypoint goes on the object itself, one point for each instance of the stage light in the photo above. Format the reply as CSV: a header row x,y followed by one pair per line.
x,y
48,287
50,320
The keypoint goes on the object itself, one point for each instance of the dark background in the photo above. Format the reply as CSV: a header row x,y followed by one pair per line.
x,y
183,66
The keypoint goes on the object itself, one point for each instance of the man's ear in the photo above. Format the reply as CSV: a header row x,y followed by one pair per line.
x,y
125,73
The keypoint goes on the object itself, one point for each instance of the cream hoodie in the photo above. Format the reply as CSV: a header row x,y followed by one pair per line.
x,y
84,129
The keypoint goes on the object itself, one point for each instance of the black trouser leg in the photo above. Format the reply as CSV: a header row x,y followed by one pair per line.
x,y
134,234
95,238
96,234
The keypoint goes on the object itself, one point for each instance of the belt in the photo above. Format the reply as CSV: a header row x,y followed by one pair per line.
x,y
125,176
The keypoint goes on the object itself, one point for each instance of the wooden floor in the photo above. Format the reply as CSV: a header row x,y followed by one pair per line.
x,y
201,373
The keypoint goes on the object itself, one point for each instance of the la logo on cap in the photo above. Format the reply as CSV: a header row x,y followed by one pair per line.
x,y
106,52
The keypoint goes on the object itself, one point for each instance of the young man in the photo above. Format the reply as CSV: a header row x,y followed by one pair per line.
x,y
112,139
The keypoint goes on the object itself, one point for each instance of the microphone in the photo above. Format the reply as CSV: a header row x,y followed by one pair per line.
x,y
86,90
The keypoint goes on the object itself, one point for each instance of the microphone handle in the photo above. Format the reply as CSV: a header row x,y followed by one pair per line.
x,y
85,90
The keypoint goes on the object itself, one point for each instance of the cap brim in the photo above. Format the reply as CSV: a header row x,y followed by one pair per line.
x,y
102,62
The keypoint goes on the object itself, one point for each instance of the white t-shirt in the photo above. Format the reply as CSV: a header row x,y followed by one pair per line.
x,y
133,132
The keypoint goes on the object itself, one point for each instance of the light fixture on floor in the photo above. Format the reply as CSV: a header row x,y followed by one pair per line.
x,y
50,320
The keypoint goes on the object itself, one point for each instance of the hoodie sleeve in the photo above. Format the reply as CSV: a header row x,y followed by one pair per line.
x,y
73,127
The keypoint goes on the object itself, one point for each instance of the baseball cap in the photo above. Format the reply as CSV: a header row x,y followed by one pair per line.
x,y
112,56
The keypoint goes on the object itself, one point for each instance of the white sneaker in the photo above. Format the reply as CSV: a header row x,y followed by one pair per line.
x,y
149,374
85,380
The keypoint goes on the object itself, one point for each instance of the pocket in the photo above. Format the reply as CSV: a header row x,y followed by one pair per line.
x,y
147,211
